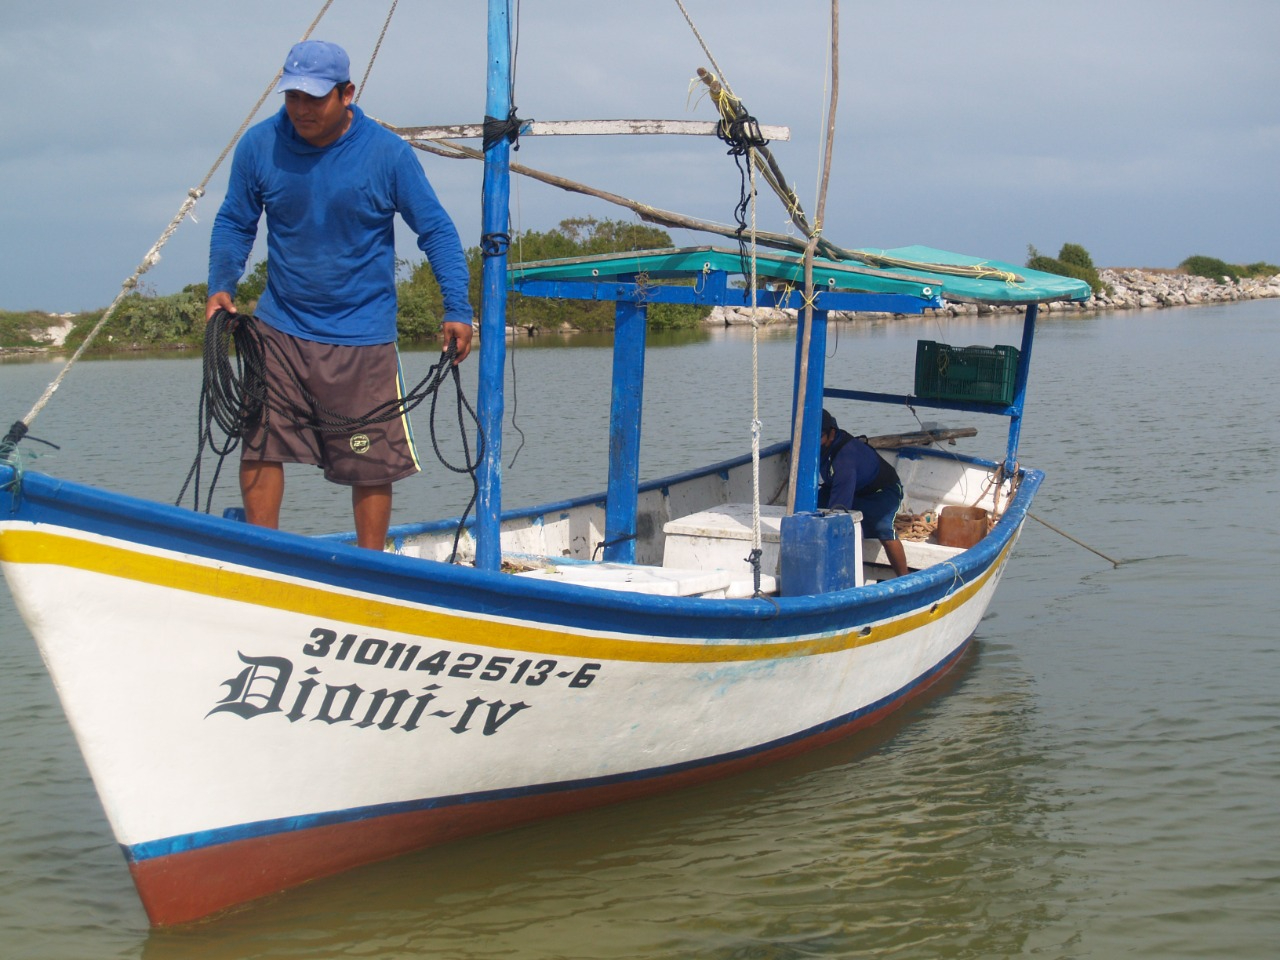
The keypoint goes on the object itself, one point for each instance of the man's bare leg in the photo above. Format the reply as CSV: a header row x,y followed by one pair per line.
x,y
262,487
897,556
372,509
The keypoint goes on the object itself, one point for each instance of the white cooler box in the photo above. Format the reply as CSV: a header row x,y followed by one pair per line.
x,y
720,539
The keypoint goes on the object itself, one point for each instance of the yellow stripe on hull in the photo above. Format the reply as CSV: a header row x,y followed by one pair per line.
x,y
31,546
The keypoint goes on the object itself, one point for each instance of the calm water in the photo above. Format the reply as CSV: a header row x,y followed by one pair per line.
x,y
1098,780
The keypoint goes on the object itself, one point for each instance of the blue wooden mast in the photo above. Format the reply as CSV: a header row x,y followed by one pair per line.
x,y
493,304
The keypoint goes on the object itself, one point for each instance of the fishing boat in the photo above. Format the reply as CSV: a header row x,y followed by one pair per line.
x,y
258,708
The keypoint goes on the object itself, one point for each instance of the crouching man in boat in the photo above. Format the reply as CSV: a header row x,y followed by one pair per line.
x,y
855,477
330,181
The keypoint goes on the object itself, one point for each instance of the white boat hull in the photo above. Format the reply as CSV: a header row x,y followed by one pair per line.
x,y
253,725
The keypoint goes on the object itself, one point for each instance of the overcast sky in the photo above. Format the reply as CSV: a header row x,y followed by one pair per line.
x,y
1146,130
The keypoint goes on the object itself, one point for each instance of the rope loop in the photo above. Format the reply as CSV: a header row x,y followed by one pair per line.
x,y
9,452
16,433
495,244
753,558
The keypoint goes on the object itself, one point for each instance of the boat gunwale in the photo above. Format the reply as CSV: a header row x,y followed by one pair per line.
x,y
467,591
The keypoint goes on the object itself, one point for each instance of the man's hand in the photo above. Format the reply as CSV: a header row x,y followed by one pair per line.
x,y
219,301
460,332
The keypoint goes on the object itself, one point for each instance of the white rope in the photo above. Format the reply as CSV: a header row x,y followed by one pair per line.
x,y
755,371
755,320
153,255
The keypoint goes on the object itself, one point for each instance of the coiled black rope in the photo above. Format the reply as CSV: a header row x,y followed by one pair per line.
x,y
236,396
742,134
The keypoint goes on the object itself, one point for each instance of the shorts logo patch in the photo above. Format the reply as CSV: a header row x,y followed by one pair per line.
x,y
360,443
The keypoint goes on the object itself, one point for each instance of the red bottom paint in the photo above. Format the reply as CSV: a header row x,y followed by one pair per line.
x,y
195,884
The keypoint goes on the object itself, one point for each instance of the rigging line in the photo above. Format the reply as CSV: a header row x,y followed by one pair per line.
x,y
741,143
822,117
518,238
513,54
513,49
772,173
819,213
1112,561
756,550
376,47
646,212
732,113
705,49
153,255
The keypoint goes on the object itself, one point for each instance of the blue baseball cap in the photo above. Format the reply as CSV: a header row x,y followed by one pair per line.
x,y
315,67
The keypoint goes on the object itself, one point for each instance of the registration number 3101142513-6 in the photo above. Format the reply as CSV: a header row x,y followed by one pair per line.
x,y
376,652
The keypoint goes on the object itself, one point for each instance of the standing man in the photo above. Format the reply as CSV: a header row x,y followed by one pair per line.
x,y
330,181
855,477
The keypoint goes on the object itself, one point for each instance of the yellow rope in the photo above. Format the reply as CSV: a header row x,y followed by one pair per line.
x,y
978,271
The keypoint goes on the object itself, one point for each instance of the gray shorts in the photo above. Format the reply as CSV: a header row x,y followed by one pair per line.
x,y
346,381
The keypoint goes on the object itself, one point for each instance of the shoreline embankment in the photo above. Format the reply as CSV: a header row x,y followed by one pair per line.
x,y
1125,289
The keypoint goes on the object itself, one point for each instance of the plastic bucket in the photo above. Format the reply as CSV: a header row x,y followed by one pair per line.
x,y
961,526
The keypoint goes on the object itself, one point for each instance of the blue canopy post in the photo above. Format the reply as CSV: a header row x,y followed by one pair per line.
x,y
1020,389
625,408
493,307
806,499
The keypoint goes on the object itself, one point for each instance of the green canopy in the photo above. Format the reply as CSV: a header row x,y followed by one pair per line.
x,y
914,271
973,280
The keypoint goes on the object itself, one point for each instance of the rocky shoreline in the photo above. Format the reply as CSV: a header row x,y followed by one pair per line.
x,y
1126,289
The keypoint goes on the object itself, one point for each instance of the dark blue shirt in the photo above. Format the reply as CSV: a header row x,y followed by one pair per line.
x,y
855,466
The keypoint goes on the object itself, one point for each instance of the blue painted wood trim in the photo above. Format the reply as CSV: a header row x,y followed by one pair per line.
x,y
625,408
1020,388
899,399
40,499
713,290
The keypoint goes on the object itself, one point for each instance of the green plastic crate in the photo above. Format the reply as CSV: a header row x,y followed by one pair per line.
x,y
976,374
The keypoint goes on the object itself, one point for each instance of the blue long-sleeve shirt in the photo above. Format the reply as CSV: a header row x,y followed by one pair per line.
x,y
331,259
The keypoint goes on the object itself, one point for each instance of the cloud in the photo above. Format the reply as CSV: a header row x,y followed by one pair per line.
x,y
1145,130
